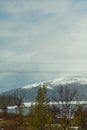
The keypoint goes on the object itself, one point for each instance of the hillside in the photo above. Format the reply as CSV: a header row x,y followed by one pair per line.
x,y
30,91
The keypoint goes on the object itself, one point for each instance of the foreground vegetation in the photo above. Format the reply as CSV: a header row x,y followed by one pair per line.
x,y
63,116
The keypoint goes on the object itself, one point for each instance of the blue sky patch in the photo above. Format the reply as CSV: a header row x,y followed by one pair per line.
x,y
4,16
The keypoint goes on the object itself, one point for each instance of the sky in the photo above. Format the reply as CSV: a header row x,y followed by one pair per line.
x,y
40,40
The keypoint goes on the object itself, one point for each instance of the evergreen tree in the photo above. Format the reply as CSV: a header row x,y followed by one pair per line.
x,y
81,117
39,111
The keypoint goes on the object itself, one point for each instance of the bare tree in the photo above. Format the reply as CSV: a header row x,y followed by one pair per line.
x,y
18,100
67,100
4,103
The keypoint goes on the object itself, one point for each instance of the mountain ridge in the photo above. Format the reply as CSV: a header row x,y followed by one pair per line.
x,y
30,90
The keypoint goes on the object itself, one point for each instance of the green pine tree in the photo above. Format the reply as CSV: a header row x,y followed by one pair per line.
x,y
81,117
39,110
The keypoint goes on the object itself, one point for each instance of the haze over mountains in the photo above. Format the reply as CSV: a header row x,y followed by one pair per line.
x,y
30,91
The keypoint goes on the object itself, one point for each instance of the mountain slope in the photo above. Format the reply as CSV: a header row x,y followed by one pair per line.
x,y
79,82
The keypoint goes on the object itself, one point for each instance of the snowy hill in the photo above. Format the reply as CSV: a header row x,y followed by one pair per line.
x,y
80,82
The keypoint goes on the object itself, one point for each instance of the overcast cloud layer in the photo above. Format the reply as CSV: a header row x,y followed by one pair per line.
x,y
40,39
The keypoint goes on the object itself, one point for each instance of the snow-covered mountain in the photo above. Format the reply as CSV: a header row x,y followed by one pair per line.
x,y
80,82
60,81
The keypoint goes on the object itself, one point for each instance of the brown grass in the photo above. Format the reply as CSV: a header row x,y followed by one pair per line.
x,y
14,122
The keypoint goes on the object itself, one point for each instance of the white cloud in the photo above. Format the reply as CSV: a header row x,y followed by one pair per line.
x,y
51,33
